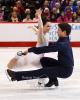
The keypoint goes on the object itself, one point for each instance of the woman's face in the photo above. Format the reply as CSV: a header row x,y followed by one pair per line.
x,y
14,14
46,27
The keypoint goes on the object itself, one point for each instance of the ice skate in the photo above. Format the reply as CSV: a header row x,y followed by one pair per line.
x,y
10,75
52,82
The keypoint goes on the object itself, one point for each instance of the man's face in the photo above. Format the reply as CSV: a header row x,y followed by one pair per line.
x,y
60,32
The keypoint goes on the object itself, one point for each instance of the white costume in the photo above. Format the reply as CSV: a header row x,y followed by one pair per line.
x,y
31,58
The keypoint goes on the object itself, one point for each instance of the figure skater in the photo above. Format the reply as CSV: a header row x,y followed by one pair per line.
x,y
51,68
43,28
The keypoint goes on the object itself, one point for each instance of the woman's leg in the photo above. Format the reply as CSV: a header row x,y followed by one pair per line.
x,y
17,61
56,71
12,63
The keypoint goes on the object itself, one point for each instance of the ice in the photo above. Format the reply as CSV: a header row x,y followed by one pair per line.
x,y
69,89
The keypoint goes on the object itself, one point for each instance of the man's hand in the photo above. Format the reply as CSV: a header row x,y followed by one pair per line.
x,y
25,52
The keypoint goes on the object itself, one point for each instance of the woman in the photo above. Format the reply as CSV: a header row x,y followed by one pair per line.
x,y
43,28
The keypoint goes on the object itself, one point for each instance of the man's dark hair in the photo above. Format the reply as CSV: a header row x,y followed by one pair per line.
x,y
65,27
45,20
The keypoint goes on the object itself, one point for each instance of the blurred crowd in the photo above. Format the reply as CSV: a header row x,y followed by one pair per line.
x,y
25,10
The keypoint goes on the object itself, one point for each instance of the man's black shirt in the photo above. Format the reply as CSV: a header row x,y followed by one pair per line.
x,y
62,46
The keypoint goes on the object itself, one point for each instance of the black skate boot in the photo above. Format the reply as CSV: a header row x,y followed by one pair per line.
x,y
52,81
11,74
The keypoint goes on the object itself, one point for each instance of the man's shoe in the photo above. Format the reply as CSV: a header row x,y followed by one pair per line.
x,y
11,74
52,82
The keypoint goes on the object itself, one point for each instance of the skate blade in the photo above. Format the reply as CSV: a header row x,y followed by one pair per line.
x,y
8,77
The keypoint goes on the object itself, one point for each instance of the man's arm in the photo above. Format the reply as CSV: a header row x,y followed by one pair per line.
x,y
55,47
45,49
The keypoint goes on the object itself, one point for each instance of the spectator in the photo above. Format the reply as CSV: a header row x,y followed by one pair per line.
x,y
68,14
46,12
46,3
57,6
28,16
27,19
61,18
74,17
21,5
52,4
1,14
35,19
54,14
20,8
78,13
64,4
71,5
14,17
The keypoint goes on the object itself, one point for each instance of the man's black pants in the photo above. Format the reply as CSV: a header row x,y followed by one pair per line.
x,y
51,68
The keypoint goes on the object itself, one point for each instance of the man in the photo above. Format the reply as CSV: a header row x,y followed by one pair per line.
x,y
61,68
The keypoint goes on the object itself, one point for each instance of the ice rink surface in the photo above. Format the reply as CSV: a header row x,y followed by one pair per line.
x,y
69,89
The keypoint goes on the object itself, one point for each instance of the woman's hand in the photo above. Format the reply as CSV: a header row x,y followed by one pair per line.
x,y
39,12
